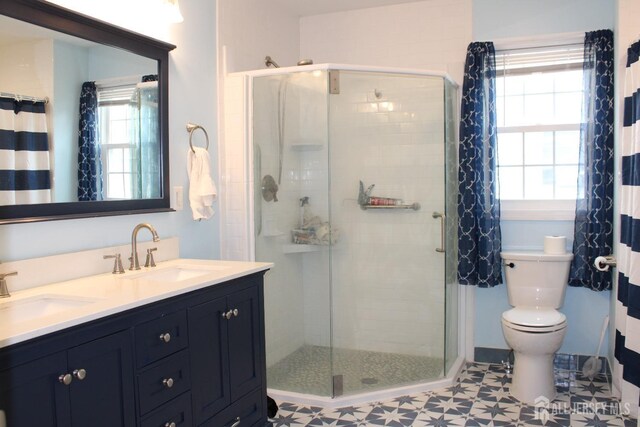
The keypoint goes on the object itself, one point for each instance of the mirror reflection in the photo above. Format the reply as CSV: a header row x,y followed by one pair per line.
x,y
79,121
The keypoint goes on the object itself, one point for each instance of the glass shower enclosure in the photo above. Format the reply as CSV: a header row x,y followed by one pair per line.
x,y
354,183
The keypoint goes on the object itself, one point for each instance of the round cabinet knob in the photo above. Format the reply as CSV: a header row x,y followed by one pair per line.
x,y
170,424
168,382
65,379
80,374
166,337
235,312
227,315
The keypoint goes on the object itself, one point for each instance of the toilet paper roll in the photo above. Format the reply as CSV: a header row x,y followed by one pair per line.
x,y
600,265
555,245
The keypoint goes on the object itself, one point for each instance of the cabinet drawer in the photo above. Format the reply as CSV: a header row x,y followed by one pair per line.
x,y
163,381
177,411
248,411
160,337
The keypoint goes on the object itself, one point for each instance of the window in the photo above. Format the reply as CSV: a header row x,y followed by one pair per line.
x,y
539,107
117,141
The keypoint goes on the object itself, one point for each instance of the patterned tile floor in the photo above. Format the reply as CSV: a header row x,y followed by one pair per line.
x,y
480,397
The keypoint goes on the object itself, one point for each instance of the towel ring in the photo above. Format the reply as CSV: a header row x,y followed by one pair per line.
x,y
192,128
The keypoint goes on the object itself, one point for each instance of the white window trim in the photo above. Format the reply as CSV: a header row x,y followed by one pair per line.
x,y
538,210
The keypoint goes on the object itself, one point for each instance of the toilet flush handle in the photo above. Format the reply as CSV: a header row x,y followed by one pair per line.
x,y
509,264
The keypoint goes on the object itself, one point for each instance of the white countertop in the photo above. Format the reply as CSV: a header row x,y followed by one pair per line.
x,y
99,296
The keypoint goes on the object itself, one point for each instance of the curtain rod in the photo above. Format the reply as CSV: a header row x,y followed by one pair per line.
x,y
18,97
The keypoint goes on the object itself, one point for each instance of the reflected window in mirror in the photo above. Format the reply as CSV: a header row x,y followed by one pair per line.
x,y
128,132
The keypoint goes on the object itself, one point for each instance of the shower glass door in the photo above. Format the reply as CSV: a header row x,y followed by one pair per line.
x,y
291,227
387,141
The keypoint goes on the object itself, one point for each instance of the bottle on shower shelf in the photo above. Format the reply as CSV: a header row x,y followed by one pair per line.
x,y
304,211
384,201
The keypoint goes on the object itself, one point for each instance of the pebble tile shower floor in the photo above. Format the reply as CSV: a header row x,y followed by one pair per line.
x,y
308,370
480,397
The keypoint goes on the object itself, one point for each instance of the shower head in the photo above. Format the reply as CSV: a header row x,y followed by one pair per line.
x,y
305,62
270,62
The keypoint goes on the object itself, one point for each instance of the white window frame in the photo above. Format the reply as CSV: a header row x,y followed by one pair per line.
x,y
538,210
104,154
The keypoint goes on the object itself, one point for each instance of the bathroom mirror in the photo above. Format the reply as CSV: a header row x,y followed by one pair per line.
x,y
83,116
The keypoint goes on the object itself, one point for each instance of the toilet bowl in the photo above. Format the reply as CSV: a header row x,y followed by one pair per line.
x,y
534,335
534,328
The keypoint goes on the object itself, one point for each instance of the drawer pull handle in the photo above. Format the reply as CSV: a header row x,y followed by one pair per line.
x,y
170,424
235,312
65,379
168,382
80,374
237,423
166,337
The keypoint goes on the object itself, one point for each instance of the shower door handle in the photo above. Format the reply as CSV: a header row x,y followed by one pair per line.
x,y
442,217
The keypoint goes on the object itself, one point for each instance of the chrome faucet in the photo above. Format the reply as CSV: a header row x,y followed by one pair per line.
x,y
135,265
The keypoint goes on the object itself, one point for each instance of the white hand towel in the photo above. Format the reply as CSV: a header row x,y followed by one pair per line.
x,y
202,190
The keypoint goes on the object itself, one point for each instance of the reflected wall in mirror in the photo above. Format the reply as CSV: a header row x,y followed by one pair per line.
x,y
79,121
83,116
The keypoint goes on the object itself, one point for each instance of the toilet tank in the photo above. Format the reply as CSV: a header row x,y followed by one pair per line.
x,y
536,279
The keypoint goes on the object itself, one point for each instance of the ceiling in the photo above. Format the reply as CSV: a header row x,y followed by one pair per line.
x,y
317,7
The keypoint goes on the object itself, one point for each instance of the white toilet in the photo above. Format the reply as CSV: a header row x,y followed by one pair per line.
x,y
534,329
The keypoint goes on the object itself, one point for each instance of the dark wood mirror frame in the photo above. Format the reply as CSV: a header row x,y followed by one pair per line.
x,y
56,18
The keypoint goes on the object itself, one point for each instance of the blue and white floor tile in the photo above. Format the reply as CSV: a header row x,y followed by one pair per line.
x,y
480,397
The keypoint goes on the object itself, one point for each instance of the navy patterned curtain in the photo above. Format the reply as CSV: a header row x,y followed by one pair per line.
x,y
89,163
479,239
626,367
593,230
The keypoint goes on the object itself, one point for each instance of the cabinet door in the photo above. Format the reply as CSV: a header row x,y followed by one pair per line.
x,y
245,342
105,397
31,395
209,359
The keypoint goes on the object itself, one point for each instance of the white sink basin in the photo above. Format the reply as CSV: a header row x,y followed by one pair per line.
x,y
40,306
177,273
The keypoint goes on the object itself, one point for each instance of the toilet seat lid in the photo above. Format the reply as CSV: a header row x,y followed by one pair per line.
x,y
534,317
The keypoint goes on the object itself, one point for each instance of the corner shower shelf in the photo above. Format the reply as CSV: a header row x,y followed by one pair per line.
x,y
295,248
413,206
307,145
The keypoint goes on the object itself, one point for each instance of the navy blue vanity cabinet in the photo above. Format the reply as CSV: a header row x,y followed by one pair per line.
x,y
87,385
226,342
195,359
102,392
30,394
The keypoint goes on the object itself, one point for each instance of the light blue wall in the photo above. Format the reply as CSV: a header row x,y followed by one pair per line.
x,y
497,19
106,62
585,310
192,97
70,68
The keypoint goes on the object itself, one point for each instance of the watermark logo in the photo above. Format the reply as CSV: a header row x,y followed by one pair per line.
x,y
543,408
